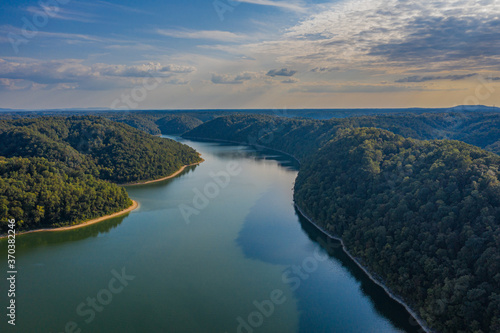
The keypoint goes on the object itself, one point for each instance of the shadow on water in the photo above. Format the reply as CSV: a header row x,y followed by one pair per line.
x,y
383,304
248,151
51,238
276,233
162,183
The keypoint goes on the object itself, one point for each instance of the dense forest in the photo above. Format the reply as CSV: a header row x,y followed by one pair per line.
x,y
177,124
477,125
152,122
303,137
157,122
59,170
103,148
42,194
424,216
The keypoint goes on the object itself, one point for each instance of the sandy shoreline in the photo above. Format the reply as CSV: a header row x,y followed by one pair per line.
x,y
417,318
164,178
134,206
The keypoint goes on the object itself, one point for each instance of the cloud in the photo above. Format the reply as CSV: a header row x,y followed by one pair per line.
x,y
75,73
390,34
61,13
290,80
444,39
281,72
279,4
217,35
350,88
116,6
7,29
178,69
324,69
228,79
413,79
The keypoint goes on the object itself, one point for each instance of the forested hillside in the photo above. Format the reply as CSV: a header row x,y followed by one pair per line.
x,y
105,149
42,194
422,215
177,124
156,123
58,171
301,137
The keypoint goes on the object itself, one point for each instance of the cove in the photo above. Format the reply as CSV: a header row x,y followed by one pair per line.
x,y
245,261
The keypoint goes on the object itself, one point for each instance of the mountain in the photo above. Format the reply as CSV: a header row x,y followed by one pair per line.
x,y
422,215
57,171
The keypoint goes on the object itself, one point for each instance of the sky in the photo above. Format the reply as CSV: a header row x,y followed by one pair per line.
x,y
224,54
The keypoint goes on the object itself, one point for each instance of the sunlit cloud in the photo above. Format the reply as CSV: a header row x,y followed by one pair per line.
x,y
279,4
420,53
436,78
228,79
78,74
217,35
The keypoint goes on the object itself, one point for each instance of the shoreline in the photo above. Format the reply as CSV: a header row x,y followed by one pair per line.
x,y
163,178
412,313
417,318
132,207
241,144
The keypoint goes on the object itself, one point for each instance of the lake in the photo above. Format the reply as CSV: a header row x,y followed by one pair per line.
x,y
219,248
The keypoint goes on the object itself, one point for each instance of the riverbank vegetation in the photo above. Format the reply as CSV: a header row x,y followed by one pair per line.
x,y
57,171
423,216
42,194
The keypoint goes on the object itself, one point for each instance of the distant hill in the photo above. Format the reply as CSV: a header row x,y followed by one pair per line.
x,y
109,150
58,171
423,216
42,194
302,136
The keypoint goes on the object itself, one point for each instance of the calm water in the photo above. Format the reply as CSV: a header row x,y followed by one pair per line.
x,y
239,260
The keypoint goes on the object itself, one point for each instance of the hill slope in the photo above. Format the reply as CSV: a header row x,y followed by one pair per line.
x,y
42,194
58,171
108,150
422,215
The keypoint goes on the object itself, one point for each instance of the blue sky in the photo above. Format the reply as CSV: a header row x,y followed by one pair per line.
x,y
248,54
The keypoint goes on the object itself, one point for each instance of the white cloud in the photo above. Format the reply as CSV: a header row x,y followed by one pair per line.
x,y
232,79
279,4
217,35
388,35
74,73
61,13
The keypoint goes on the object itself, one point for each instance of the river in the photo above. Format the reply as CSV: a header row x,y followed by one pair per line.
x,y
220,248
